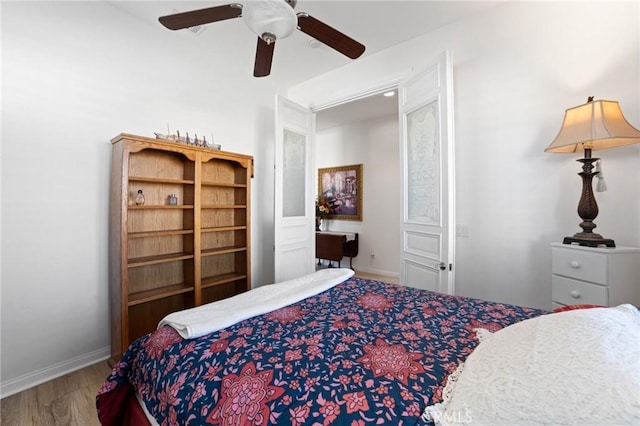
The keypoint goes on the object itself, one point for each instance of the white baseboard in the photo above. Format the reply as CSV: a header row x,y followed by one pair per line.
x,y
377,271
26,381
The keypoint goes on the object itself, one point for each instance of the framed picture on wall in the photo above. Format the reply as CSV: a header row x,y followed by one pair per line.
x,y
341,187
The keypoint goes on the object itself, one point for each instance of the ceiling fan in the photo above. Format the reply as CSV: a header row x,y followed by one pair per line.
x,y
271,20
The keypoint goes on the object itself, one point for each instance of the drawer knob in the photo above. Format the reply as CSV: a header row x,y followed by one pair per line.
x,y
575,294
574,264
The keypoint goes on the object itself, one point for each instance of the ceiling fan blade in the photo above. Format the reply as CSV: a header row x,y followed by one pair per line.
x,y
194,18
329,36
264,56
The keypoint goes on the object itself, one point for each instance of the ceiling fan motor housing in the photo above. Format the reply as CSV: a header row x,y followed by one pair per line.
x,y
271,20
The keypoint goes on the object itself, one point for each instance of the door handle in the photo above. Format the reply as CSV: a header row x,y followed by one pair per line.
x,y
442,266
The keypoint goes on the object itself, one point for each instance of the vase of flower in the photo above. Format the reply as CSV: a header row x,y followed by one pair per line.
x,y
322,210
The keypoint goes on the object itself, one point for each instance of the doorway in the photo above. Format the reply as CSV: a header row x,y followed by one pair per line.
x,y
365,131
426,190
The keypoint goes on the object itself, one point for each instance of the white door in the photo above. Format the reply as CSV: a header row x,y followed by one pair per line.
x,y
294,190
426,126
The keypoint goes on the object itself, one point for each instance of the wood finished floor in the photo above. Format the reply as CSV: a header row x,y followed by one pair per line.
x,y
70,400
383,278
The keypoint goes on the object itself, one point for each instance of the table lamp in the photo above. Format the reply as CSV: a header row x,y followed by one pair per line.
x,y
590,127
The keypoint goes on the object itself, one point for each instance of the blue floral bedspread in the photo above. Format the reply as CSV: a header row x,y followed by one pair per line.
x,y
361,353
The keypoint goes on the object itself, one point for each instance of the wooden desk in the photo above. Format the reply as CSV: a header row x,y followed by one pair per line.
x,y
333,246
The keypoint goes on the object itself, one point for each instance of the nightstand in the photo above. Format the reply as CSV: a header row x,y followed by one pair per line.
x,y
594,276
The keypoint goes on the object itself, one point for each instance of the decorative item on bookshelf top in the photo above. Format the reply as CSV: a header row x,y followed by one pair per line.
x,y
203,142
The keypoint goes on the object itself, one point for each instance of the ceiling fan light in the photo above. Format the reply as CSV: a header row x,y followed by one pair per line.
x,y
273,17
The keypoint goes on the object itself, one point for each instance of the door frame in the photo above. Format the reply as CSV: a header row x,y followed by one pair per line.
x,y
376,88
364,92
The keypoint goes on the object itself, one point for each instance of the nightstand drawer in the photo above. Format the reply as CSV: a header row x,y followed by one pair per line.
x,y
573,292
582,265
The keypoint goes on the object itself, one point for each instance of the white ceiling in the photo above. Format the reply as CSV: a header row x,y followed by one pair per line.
x,y
376,24
371,107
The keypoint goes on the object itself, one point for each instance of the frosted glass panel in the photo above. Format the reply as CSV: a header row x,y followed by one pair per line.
x,y
294,153
423,165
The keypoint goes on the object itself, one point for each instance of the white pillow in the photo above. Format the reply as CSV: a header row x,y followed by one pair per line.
x,y
579,367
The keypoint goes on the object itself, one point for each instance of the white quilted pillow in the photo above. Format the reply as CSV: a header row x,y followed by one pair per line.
x,y
579,367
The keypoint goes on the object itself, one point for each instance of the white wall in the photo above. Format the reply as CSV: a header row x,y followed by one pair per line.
x,y
517,67
374,144
74,75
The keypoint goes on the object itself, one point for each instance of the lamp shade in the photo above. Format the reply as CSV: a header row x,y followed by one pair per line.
x,y
594,125
273,17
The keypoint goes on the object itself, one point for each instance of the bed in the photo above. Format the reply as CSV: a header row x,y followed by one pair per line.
x,y
329,348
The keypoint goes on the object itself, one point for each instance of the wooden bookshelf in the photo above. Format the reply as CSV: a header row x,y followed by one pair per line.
x,y
166,257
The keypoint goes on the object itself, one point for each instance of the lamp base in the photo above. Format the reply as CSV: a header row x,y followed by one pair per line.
x,y
591,240
588,208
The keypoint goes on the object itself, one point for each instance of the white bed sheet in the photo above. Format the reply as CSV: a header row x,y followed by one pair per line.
x,y
205,319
